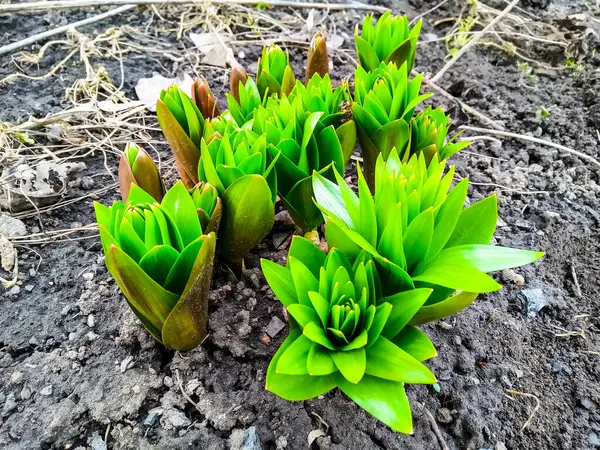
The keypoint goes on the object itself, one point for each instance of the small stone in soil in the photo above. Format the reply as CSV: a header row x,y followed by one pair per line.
x,y
15,290
251,439
500,446
275,326
11,227
593,439
174,418
533,300
16,378
126,364
443,415
25,393
47,391
9,405
153,416
588,403
98,443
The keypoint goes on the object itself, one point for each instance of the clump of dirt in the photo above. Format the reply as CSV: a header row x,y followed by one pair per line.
x,y
78,371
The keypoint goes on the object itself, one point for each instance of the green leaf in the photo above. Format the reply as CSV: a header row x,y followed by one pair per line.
x,y
367,57
444,308
304,280
320,305
181,270
187,155
319,361
293,360
447,217
303,314
386,360
280,281
295,387
315,333
130,242
346,133
393,134
390,243
187,324
300,204
337,238
137,195
329,196
386,400
158,262
180,206
308,253
416,343
491,258
150,302
382,314
404,307
417,239
351,364
476,224
248,216
449,271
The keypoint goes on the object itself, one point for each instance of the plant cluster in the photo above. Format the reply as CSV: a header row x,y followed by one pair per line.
x,y
402,250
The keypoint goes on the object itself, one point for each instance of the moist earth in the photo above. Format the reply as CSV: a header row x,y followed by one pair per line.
x,y
78,371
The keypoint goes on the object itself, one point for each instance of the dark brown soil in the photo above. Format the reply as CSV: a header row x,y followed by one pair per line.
x,y
77,368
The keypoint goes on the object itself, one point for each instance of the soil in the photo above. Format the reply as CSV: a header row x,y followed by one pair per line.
x,y
77,370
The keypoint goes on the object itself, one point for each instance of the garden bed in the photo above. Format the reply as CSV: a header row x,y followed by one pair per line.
x,y
77,370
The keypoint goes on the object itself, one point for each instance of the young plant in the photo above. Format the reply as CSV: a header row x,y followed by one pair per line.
x,y
204,99
345,333
428,133
162,260
242,109
318,59
182,124
238,165
136,166
319,96
236,76
417,231
384,103
390,41
274,75
300,144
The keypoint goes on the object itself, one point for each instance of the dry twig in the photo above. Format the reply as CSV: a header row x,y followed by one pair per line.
x,y
46,34
525,394
71,4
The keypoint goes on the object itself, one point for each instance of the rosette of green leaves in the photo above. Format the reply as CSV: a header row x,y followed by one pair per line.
x,y
183,126
274,75
384,104
391,40
242,109
345,333
162,260
136,166
428,135
238,165
300,144
417,231
319,96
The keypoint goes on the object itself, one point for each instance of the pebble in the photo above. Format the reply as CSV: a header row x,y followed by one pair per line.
x,y
98,443
88,276
275,326
174,418
15,290
168,381
560,368
29,287
126,364
153,416
9,405
510,276
16,378
443,415
91,336
91,321
533,300
25,393
11,227
593,439
500,446
47,391
251,439
588,403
